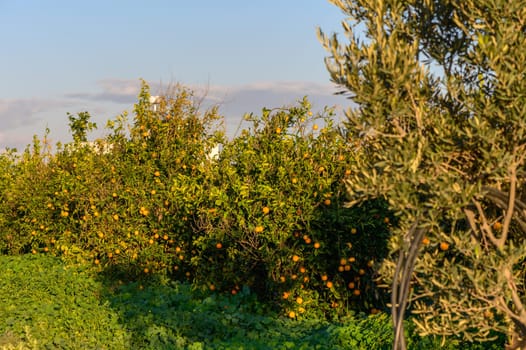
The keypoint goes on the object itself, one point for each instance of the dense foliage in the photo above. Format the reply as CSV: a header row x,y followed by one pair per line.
x,y
267,213
440,95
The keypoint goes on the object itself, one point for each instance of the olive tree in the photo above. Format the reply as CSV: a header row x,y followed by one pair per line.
x,y
439,123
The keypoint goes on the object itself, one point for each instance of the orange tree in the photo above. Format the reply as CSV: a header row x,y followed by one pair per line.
x,y
275,220
440,93
23,214
131,203
267,213
121,203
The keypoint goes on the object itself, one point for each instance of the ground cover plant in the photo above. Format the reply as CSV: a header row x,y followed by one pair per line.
x,y
45,305
59,306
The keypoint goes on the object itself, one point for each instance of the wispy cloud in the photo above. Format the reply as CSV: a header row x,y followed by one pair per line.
x,y
235,101
274,92
30,115
112,90
26,111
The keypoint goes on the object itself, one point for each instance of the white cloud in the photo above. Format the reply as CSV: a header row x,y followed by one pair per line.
x,y
21,118
26,111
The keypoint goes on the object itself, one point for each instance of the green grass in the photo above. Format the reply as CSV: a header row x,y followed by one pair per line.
x,y
45,304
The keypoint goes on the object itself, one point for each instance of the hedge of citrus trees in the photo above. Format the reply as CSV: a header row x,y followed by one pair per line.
x,y
268,213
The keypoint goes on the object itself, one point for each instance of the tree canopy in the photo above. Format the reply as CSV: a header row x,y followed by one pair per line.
x,y
439,120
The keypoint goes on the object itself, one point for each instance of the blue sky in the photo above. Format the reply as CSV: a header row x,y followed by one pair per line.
x,y
70,56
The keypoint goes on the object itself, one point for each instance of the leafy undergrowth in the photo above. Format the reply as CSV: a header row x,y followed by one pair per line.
x,y
45,304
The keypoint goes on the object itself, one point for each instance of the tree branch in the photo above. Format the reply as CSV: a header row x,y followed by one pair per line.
x,y
401,283
486,228
511,205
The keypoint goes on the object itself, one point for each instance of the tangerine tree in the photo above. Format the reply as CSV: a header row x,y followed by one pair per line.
x,y
439,93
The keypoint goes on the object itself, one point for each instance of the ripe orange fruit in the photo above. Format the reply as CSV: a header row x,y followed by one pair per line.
x,y
327,201
292,314
386,220
315,127
330,285
354,231
295,258
370,263
425,241
286,295
351,285
497,226
299,300
341,268
324,278
146,270
347,172
317,245
157,174
96,262
278,130
357,292
303,269
282,279
258,229
266,210
347,267
444,246
212,287
361,272
343,261
219,245
294,180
